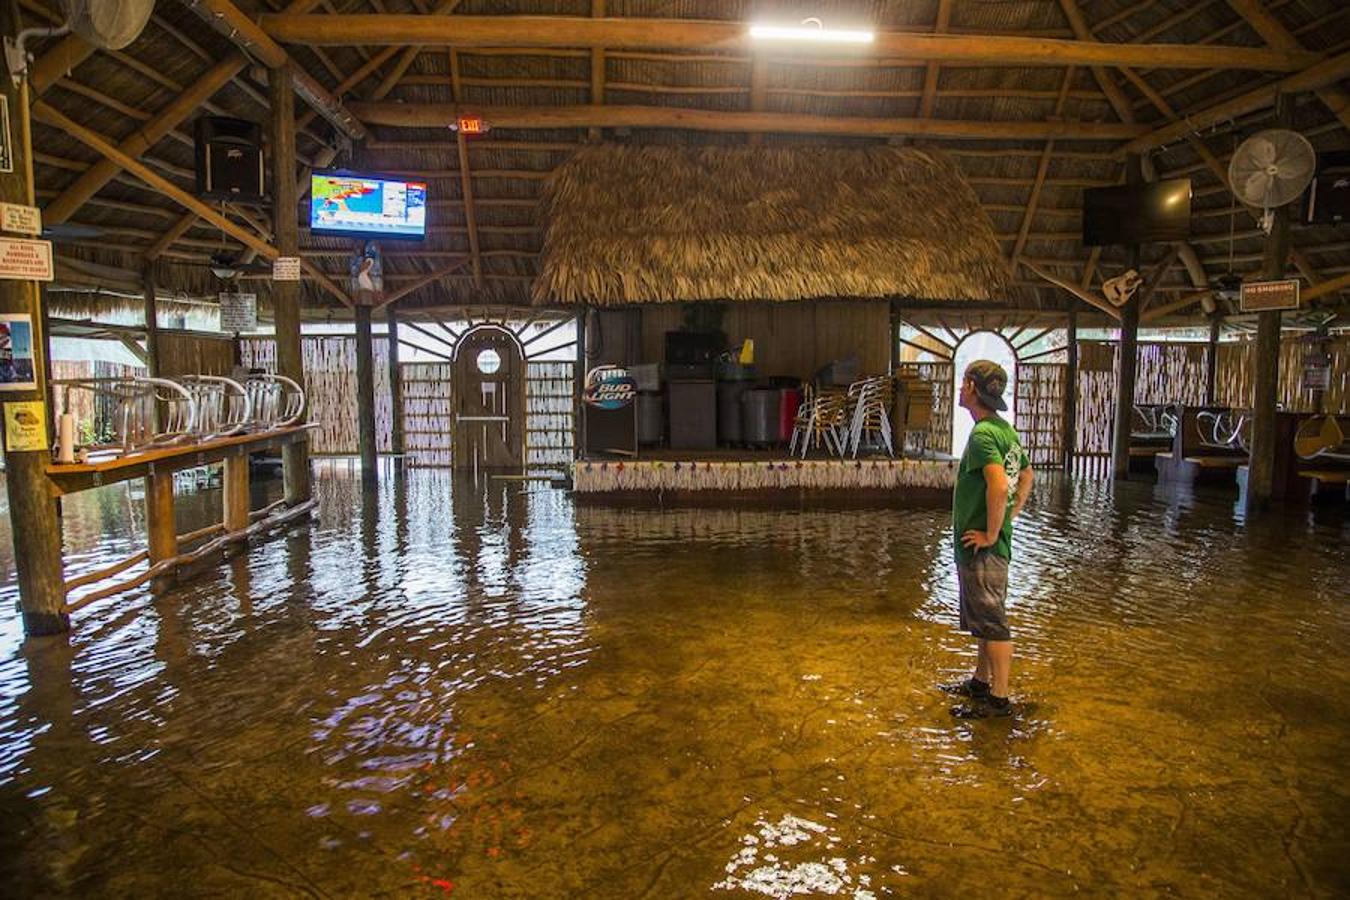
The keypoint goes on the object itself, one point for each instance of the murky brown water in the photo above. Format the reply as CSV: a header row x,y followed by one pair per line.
x,y
488,692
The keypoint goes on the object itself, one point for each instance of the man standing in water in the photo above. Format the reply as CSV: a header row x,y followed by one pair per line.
x,y
991,485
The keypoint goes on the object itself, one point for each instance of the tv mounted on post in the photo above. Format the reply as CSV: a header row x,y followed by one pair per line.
x,y
1137,213
346,204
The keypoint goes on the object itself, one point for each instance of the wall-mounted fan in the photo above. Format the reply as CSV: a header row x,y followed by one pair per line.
x,y
108,24
1270,169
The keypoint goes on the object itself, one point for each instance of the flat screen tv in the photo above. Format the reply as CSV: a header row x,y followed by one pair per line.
x,y
1137,213
367,206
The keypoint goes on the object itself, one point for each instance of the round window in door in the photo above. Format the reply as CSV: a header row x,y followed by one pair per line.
x,y
489,361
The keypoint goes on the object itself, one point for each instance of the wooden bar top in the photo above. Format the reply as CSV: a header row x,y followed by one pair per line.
x,y
72,477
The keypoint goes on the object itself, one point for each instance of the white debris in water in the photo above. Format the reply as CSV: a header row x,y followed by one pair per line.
x,y
810,678
784,879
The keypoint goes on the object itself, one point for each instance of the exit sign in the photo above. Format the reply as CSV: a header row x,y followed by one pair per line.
x,y
469,125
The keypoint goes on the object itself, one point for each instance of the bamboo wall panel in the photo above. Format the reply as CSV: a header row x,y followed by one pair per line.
x,y
1236,377
549,428
189,354
426,414
796,339
942,375
1040,411
1171,373
330,386
1096,406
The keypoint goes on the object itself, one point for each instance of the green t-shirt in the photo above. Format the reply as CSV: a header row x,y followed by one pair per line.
x,y
992,440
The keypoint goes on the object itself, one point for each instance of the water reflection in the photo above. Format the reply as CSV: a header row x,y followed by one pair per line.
x,y
483,689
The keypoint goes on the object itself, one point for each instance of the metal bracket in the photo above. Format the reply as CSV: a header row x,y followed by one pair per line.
x,y
16,53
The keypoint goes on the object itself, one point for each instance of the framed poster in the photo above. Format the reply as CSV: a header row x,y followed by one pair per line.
x,y
17,365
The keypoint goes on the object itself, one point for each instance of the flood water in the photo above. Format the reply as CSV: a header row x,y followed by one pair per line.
x,y
489,691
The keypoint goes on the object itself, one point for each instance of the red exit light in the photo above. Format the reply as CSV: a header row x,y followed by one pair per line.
x,y
471,125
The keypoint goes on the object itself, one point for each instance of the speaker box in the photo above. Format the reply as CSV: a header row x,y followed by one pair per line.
x,y
229,159
1327,202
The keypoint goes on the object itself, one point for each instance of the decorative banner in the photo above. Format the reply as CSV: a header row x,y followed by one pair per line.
x,y
6,143
25,426
781,474
23,219
22,259
367,276
238,312
17,366
286,268
609,387
1257,296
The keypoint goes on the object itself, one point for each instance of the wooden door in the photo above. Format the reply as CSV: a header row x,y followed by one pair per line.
x,y
488,390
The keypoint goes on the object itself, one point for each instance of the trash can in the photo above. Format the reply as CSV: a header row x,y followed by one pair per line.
x,y
729,394
759,416
651,419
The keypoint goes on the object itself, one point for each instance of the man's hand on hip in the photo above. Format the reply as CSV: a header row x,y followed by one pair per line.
x,y
977,540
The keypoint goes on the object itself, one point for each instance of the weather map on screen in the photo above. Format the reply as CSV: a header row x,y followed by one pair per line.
x,y
355,204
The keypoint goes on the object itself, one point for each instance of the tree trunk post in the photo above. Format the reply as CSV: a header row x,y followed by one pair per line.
x,y
1128,360
365,394
34,523
1071,388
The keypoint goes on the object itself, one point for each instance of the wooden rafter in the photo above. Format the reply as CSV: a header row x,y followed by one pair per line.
x,y
44,112
466,178
1041,171
226,18
930,74
597,83
432,115
1278,37
465,32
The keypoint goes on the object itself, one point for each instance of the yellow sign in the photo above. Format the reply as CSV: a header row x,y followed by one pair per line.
x,y
26,426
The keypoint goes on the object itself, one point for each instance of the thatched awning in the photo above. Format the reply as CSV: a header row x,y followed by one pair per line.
x,y
628,224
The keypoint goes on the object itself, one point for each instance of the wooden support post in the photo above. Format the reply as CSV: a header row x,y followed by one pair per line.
x,y
365,394
34,523
1261,465
1071,388
159,517
236,492
286,294
395,386
151,321
895,339
1212,360
578,387
1129,344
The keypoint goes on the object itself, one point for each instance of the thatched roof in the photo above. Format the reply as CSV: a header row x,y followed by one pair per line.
x,y
662,224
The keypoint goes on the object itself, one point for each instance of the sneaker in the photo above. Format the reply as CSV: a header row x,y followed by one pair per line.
x,y
982,709
968,688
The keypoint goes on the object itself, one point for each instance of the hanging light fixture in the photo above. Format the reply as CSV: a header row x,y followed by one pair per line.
x,y
813,31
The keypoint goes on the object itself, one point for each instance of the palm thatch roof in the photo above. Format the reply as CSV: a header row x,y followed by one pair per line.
x,y
663,224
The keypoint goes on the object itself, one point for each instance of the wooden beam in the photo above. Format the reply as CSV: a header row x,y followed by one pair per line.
x,y
1082,294
1041,170
1114,95
182,106
1278,37
1327,72
58,62
1154,280
439,115
1166,309
930,74
465,32
226,18
94,141
423,282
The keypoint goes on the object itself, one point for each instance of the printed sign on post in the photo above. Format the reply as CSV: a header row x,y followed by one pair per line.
x,y
25,260
17,366
23,219
25,426
238,312
286,268
1258,296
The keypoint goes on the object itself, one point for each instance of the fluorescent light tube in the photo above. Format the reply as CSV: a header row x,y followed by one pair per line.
x,y
811,34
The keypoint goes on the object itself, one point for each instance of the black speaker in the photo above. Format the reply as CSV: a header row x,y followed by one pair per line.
x,y
229,159
1328,201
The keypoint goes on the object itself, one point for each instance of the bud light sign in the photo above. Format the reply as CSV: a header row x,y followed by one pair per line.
x,y
609,387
